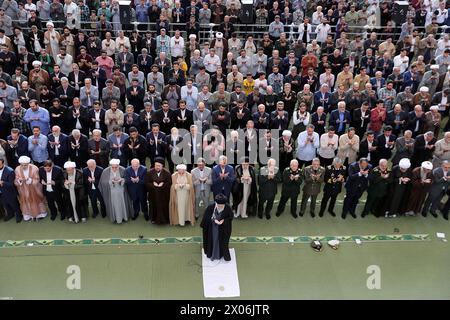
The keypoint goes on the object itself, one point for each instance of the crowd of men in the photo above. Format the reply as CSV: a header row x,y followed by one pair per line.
x,y
139,121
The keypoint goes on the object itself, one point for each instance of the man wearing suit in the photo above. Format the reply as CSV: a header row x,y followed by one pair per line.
x,y
26,94
55,78
52,180
146,118
96,117
98,148
109,93
78,148
221,119
135,182
368,148
164,117
8,193
156,145
359,174
133,147
91,178
261,118
58,146
339,118
378,81
65,92
416,121
17,146
441,179
145,62
77,117
222,178
202,117
202,180
116,142
240,115
125,60
182,116
423,148
322,97
76,78
97,75
88,93
386,143
194,140
314,177
397,119
279,118
361,119
135,95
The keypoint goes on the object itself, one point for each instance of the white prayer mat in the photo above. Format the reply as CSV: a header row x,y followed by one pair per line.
x,y
220,277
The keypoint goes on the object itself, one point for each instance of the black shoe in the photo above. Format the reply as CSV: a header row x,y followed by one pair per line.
x,y
321,214
278,214
7,218
260,215
268,216
300,214
134,217
62,217
146,217
332,213
294,215
313,215
104,215
445,216
94,215
424,214
363,214
434,214
19,219
53,218
343,216
353,215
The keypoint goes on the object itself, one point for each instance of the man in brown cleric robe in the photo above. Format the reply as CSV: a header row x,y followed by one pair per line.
x,y
158,181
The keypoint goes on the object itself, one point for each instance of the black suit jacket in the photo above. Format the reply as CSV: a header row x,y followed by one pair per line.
x,y
390,118
159,118
66,98
101,79
81,77
91,115
83,118
180,124
63,146
57,176
87,174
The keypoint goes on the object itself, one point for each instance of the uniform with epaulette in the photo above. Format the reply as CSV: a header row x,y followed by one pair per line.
x,y
313,182
292,180
334,179
379,186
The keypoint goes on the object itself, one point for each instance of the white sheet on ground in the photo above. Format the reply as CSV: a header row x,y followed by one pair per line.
x,y
220,277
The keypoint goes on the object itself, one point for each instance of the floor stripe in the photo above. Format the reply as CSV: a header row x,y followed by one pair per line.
x,y
198,240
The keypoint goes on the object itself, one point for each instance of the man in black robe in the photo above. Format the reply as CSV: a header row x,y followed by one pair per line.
x,y
158,181
216,226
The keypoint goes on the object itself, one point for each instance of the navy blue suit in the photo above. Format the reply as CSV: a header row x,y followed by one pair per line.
x,y
321,102
333,121
63,149
137,190
55,196
8,194
21,149
94,193
356,185
220,185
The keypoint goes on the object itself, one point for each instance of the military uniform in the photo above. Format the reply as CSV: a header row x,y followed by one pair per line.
x,y
267,191
313,181
378,189
332,187
290,190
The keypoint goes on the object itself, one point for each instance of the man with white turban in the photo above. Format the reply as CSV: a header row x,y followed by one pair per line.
x,y
38,77
29,187
51,39
422,178
182,197
401,175
114,191
74,195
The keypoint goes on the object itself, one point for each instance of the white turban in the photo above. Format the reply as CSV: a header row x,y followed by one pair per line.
x,y
70,164
24,160
287,133
434,66
37,63
114,161
50,24
219,35
427,165
405,163
434,108
2,105
424,89
192,36
181,167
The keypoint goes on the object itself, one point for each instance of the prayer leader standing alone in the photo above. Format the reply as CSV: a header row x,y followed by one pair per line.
x,y
216,226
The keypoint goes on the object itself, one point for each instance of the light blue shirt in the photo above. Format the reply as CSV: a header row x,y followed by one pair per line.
x,y
307,152
38,151
39,118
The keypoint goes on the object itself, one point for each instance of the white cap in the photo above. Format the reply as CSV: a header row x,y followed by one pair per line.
x,y
333,243
114,161
24,160
287,133
219,35
424,89
37,63
181,167
192,36
434,108
70,164
427,165
434,66
405,163
2,105
50,24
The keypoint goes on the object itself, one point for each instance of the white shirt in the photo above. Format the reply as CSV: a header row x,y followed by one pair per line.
x,y
56,146
93,177
402,63
211,63
97,118
49,180
177,46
